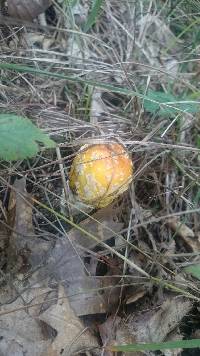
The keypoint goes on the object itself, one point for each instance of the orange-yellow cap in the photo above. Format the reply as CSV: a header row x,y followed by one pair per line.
x,y
100,172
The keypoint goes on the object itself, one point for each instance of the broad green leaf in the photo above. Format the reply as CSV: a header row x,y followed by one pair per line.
x,y
194,270
96,7
158,100
20,138
179,344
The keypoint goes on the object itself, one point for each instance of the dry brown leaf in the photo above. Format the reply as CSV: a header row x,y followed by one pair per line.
x,y
114,332
61,263
25,248
154,326
136,294
20,209
107,332
185,233
27,9
59,259
104,225
72,336
71,270
65,265
21,334
20,221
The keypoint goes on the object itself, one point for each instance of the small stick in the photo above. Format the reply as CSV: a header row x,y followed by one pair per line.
x,y
64,181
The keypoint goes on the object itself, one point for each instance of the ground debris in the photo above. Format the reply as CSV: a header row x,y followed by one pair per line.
x,y
154,326
72,336
20,332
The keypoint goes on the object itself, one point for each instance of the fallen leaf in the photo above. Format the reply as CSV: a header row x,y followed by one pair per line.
x,y
70,268
72,336
52,263
136,294
114,332
25,248
59,259
183,231
27,9
66,265
104,224
155,326
20,333
107,332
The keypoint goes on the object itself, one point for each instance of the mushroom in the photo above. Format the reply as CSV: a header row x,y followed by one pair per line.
x,y
100,173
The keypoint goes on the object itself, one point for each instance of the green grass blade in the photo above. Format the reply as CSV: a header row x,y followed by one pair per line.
x,y
98,84
179,344
96,7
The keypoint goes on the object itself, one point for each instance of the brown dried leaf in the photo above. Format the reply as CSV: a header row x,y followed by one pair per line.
x,y
136,294
66,265
72,336
25,248
185,233
21,334
20,209
147,326
27,9
70,268
114,332
20,220
107,332
153,325
104,227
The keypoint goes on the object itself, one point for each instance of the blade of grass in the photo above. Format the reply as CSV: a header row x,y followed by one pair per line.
x,y
96,7
105,86
179,344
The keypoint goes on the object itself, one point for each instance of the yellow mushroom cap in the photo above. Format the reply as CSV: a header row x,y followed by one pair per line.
x,y
100,172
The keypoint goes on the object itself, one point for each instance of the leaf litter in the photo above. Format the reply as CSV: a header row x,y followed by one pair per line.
x,y
66,294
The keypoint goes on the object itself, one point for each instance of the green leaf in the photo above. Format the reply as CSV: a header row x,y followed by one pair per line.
x,y
182,344
96,7
156,103
20,138
194,270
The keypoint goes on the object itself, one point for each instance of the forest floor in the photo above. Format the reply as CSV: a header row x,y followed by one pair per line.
x,y
77,281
